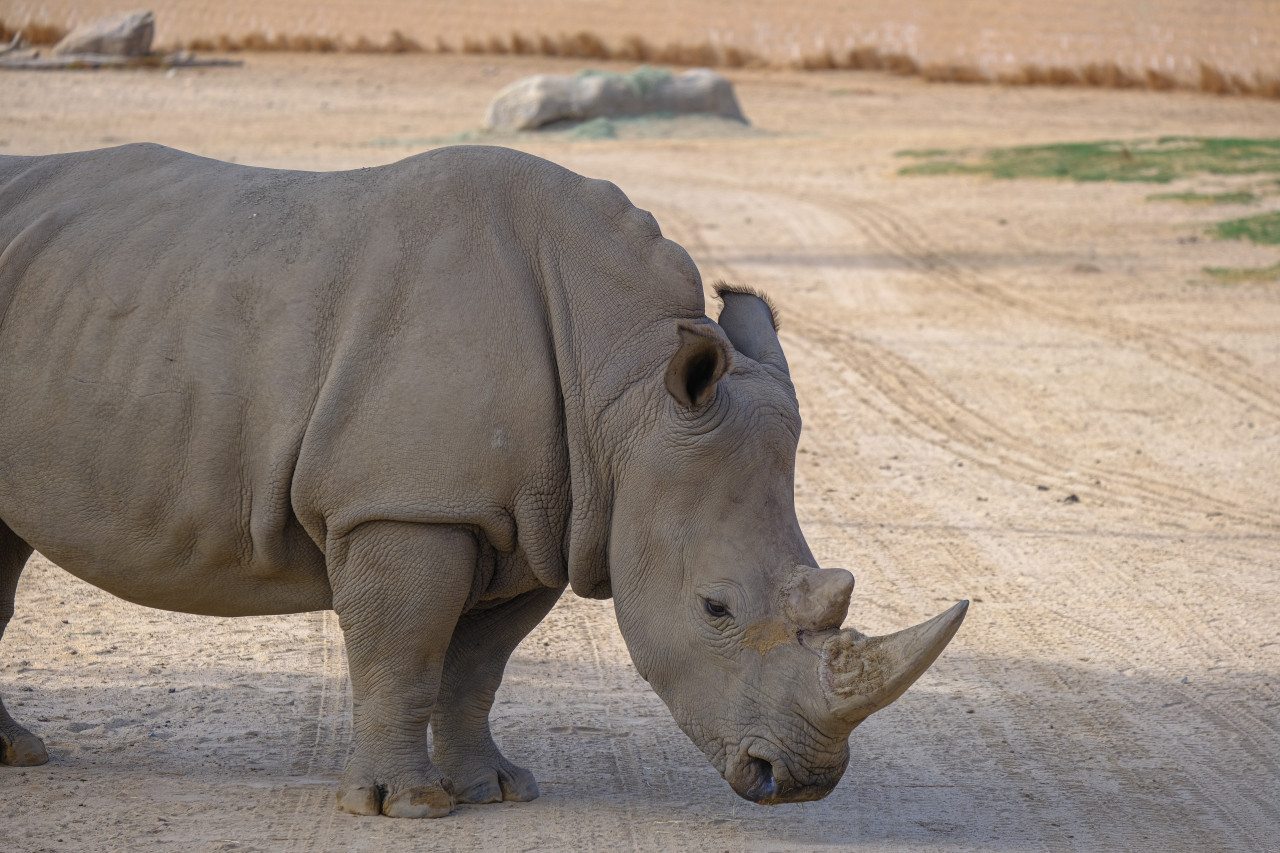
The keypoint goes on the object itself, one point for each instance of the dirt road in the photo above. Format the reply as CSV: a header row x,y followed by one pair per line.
x,y
969,355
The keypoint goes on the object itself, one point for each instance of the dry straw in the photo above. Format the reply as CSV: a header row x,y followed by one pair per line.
x,y
635,48
33,33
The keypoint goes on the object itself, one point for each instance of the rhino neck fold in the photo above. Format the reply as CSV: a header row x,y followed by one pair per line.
x,y
612,304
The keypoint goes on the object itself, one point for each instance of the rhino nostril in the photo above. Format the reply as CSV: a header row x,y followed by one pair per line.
x,y
763,786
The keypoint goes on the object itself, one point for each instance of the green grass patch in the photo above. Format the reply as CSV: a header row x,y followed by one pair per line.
x,y
1247,275
596,128
1263,229
1150,161
1241,197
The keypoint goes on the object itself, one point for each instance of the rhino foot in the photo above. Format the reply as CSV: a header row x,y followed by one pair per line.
x,y
363,800
434,799
19,747
420,801
23,750
494,781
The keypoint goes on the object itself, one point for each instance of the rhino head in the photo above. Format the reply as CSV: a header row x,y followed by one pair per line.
x,y
717,595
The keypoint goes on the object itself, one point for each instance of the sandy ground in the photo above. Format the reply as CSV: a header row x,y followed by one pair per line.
x,y
968,354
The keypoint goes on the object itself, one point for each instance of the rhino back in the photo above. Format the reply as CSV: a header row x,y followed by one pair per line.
x,y
205,365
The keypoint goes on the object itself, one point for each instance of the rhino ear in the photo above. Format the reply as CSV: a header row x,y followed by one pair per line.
x,y
704,356
751,322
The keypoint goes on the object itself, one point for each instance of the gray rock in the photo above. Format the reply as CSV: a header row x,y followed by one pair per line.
x,y
125,34
532,102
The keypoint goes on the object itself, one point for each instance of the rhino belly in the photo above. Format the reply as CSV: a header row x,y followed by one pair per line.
x,y
154,499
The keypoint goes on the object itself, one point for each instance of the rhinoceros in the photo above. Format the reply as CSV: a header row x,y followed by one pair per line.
x,y
429,396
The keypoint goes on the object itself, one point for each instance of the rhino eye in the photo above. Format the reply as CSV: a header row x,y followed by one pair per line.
x,y
715,609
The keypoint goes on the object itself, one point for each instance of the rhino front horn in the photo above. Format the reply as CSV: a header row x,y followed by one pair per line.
x,y
861,675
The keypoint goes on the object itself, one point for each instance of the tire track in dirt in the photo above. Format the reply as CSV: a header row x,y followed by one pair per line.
x,y
1226,373
1178,627
596,756
323,742
1134,733
1208,799
1223,371
1137,726
938,417
1128,732
636,754
625,766
1015,757
1252,733
1175,634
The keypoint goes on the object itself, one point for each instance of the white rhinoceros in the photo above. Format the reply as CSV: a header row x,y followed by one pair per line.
x,y
427,395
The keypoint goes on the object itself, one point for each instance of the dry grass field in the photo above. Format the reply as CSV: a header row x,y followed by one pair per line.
x,y
1096,41
1030,392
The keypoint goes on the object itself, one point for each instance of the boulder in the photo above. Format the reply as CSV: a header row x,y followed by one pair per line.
x,y
532,102
125,34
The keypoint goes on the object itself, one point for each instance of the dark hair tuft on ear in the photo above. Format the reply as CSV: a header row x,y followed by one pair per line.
x,y
721,287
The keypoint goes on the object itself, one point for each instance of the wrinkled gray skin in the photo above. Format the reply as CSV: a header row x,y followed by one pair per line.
x,y
427,395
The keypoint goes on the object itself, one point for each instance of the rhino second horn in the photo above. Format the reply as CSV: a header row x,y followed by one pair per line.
x,y
818,599
748,321
861,675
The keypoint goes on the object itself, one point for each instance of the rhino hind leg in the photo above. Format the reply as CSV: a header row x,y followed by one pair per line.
x,y
398,589
463,743
18,747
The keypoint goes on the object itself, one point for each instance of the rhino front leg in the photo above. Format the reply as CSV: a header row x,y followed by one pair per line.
x,y
398,590
18,746
463,745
